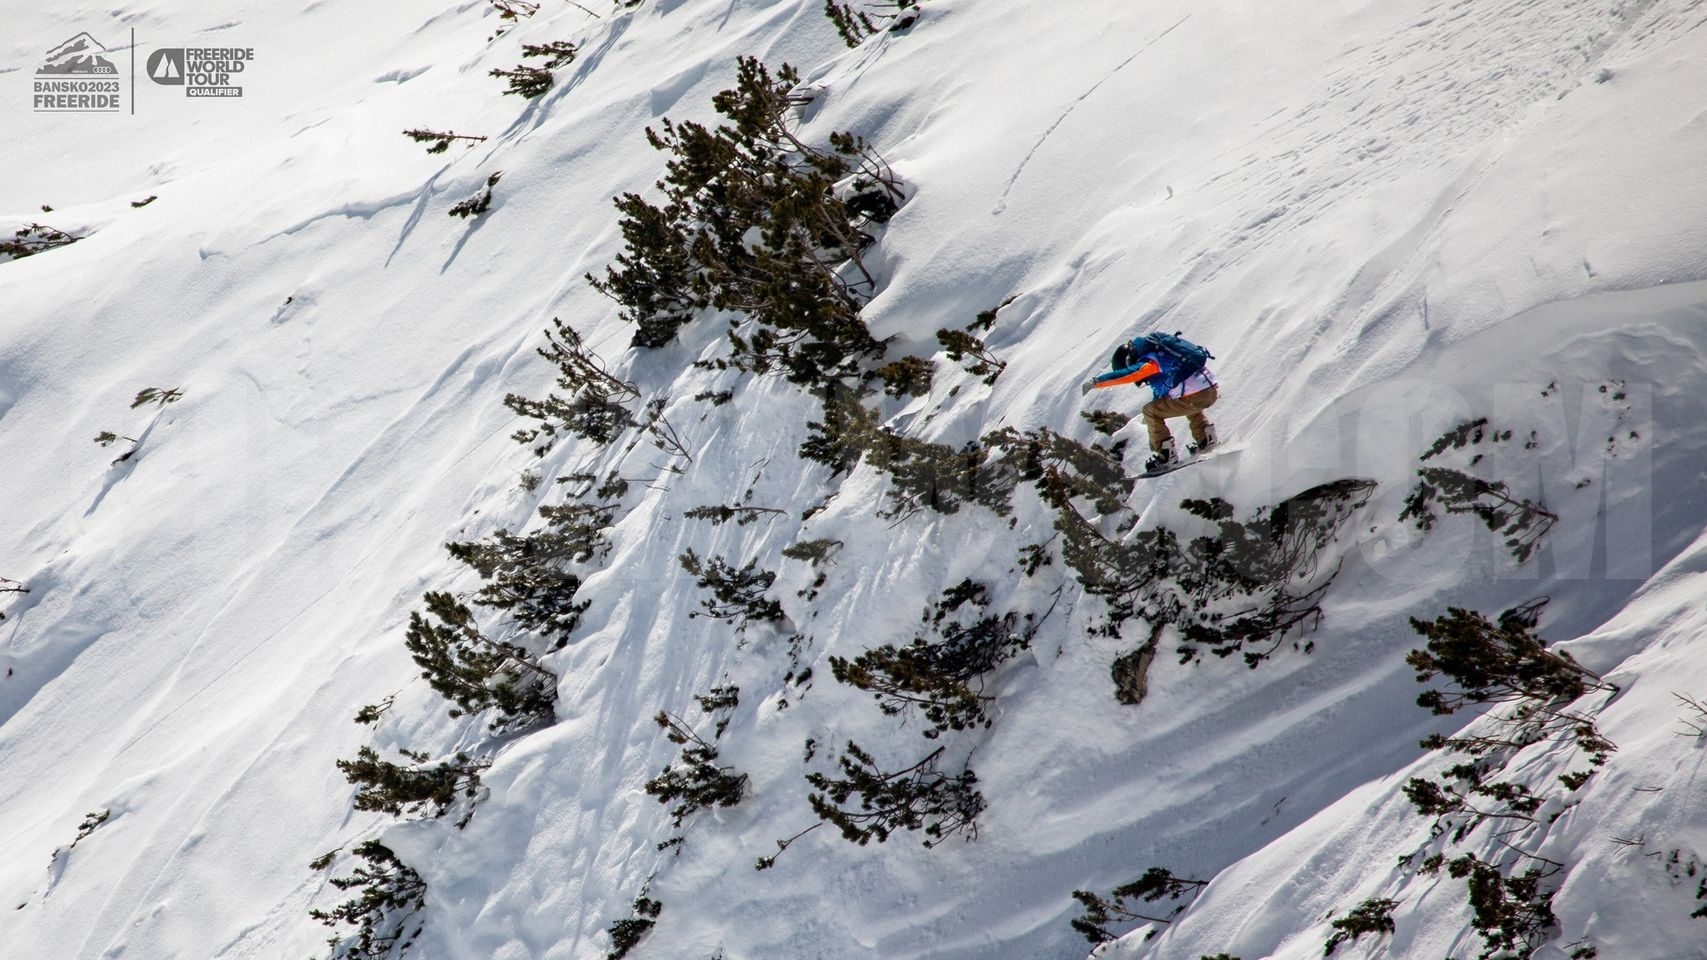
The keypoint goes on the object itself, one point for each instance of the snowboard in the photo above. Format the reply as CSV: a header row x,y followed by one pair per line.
x,y
1210,454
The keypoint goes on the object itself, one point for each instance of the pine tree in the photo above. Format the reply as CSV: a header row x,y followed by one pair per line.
x,y
962,345
479,203
386,911
1156,885
854,25
816,552
31,239
416,788
626,934
743,515
757,222
1241,589
156,396
1494,663
1523,523
557,53
736,595
906,377
942,678
919,797
1513,912
592,402
524,81
696,780
475,672
526,576
1374,915
439,142
11,586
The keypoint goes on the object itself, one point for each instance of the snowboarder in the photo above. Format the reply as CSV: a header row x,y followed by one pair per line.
x,y
1180,385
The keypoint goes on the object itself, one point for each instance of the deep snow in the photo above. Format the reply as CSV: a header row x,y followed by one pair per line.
x,y
1383,217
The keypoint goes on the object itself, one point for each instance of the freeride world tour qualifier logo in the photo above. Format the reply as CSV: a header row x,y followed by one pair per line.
x,y
78,75
201,71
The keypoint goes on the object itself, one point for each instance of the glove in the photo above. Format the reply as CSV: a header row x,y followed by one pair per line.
x,y
1086,387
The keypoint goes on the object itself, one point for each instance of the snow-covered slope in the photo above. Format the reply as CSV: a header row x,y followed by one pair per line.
x,y
1385,218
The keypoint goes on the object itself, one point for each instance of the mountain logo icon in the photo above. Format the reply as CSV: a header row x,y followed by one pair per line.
x,y
166,66
79,56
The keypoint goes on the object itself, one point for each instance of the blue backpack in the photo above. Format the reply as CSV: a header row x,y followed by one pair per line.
x,y
1178,357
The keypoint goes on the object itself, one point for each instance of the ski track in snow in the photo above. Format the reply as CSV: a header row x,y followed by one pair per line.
x,y
1002,202
1461,75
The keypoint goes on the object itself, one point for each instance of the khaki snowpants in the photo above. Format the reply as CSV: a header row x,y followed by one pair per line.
x,y
1190,406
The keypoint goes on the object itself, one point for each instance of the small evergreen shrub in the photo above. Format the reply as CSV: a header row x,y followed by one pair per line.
x,y
557,53
591,404
906,377
92,821
1507,665
438,142
942,678
1513,912
385,911
920,797
1494,663
1503,664
524,81
937,476
416,788
1155,886
29,240
1521,522
478,673
756,222
370,714
664,435
854,23
1242,589
743,515
480,202
526,576
626,934
739,596
156,396
696,780
844,432
1373,916
1106,422
11,586
963,347
1062,470
816,552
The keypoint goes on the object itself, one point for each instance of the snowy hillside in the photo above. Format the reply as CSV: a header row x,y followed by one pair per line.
x,y
1387,220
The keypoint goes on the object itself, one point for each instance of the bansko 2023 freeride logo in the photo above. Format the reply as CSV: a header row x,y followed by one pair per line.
x,y
78,75
201,71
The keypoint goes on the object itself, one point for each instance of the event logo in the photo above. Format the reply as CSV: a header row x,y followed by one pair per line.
x,y
201,71
78,76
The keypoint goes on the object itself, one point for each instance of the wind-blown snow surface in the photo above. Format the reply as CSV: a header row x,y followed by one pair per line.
x,y
1364,208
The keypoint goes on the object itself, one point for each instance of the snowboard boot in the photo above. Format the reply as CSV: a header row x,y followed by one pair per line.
x,y
1163,458
1206,444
